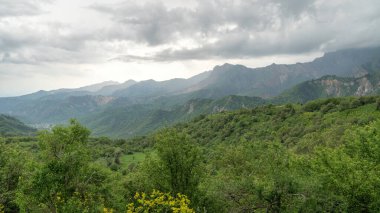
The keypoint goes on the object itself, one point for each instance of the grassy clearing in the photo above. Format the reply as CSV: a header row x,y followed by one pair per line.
x,y
133,158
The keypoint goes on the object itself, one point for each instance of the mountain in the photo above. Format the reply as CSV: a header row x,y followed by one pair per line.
x,y
110,89
137,120
272,80
334,86
53,111
154,89
10,126
139,107
97,87
64,93
267,81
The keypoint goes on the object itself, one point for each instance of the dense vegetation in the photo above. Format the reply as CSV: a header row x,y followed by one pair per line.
x,y
323,156
10,126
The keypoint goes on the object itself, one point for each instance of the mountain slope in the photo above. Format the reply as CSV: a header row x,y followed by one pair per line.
x,y
10,126
110,89
58,111
272,80
154,89
334,86
136,120
155,98
291,124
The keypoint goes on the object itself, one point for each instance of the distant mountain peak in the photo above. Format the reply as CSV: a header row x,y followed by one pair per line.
x,y
227,67
98,86
130,81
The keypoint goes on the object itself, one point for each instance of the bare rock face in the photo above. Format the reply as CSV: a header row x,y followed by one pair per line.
x,y
365,87
332,87
103,100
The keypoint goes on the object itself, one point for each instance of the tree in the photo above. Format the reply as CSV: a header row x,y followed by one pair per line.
x,y
175,167
12,162
255,176
65,181
181,160
349,175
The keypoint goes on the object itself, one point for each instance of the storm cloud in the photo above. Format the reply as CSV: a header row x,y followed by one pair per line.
x,y
236,28
193,30
121,39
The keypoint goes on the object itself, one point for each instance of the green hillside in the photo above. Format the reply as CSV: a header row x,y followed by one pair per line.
x,y
10,126
315,157
135,120
322,156
291,124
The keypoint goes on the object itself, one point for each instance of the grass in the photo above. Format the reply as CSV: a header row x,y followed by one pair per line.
x,y
133,158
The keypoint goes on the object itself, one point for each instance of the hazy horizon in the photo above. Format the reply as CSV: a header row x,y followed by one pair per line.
x,y
52,44
158,80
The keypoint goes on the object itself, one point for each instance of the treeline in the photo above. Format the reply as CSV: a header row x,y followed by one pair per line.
x,y
323,156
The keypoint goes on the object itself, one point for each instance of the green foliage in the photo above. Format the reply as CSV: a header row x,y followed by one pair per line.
x,y
12,165
139,119
256,176
181,161
349,175
65,180
319,157
175,167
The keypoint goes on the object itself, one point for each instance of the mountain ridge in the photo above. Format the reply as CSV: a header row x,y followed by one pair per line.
x,y
156,100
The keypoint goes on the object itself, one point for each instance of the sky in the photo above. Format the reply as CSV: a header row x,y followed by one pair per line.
x,y
50,44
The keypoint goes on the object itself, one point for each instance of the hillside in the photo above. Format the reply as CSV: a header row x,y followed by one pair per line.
x,y
290,124
272,158
299,158
58,111
10,126
110,108
333,86
134,120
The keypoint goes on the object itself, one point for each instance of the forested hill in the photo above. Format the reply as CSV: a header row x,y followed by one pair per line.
x,y
10,126
137,120
303,126
322,156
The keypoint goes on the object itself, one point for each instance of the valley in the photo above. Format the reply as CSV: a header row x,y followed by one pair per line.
x,y
136,108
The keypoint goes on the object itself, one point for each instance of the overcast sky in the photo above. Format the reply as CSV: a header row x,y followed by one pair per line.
x,y
49,44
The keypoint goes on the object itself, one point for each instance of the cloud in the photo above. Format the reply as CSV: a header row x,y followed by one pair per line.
x,y
242,28
24,41
156,24
166,31
9,8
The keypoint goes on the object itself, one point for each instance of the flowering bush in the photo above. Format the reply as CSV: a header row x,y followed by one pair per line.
x,y
159,202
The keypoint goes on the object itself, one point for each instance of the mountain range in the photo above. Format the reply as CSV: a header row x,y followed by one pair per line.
x,y
134,108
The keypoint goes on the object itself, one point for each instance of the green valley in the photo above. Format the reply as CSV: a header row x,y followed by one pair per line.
x,y
321,155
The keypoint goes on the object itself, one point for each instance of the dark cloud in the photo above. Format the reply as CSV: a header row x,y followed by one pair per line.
x,y
213,29
244,28
156,24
